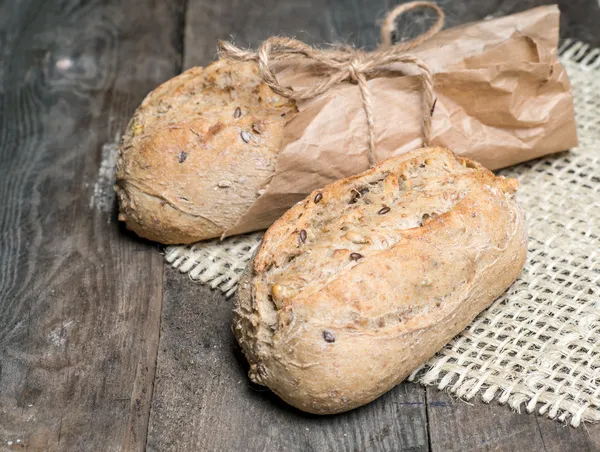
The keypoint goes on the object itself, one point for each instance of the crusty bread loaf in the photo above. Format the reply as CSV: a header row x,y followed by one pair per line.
x,y
198,150
365,279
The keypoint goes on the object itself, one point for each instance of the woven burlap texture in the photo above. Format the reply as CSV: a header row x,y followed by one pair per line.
x,y
538,346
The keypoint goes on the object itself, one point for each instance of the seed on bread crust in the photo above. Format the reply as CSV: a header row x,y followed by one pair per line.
x,y
355,237
280,293
258,127
277,290
356,256
328,336
303,235
358,194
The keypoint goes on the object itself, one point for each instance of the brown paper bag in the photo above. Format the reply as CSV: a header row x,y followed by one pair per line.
x,y
502,98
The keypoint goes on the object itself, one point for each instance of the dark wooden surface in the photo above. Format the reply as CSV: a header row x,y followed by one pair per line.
x,y
104,348
80,301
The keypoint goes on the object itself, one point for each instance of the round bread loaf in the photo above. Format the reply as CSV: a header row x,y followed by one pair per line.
x,y
367,278
197,152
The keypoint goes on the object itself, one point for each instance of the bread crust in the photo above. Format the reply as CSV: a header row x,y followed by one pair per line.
x,y
333,317
198,151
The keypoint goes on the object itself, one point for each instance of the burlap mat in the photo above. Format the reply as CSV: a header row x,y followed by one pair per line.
x,y
536,346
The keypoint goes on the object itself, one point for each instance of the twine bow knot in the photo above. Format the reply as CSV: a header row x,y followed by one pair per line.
x,y
346,63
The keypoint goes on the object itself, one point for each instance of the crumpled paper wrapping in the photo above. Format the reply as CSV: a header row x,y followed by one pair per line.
x,y
502,98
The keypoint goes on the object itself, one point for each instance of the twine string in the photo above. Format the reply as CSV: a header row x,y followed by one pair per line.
x,y
346,64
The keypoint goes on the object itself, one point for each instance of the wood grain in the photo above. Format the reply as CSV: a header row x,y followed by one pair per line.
x,y
558,437
80,300
355,22
456,425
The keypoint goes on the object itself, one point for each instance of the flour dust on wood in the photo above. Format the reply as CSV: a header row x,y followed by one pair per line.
x,y
103,195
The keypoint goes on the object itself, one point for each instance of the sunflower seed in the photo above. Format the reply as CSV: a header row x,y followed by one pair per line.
x,y
303,235
328,336
258,127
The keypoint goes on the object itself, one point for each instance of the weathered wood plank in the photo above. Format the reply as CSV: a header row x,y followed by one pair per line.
x,y
350,21
455,425
250,23
80,301
559,437
203,399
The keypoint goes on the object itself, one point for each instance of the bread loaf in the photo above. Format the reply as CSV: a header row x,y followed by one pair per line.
x,y
197,152
367,278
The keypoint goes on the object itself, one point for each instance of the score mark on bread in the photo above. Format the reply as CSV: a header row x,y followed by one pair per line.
x,y
394,262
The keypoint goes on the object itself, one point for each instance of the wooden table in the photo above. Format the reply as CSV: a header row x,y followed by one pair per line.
x,y
102,346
